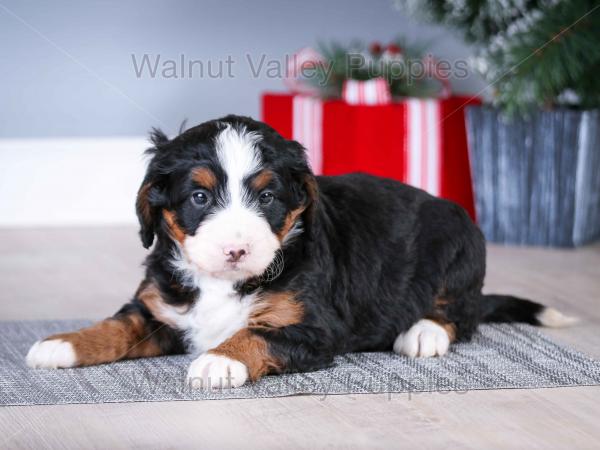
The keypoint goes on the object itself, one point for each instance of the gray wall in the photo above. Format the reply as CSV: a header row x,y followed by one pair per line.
x,y
66,66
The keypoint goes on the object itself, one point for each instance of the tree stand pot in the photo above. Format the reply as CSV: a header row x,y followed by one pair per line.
x,y
536,180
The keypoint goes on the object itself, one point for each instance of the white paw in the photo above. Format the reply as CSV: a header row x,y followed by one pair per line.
x,y
210,371
51,354
425,338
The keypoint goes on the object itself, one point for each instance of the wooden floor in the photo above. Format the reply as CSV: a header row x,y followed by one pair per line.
x,y
89,273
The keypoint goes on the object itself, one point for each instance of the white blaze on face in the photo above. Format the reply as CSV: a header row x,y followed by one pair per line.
x,y
238,225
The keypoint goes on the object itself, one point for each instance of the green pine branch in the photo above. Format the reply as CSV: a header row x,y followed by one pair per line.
x,y
552,57
339,67
536,51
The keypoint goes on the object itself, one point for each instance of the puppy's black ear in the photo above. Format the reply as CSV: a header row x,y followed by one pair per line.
x,y
306,183
311,191
146,204
146,212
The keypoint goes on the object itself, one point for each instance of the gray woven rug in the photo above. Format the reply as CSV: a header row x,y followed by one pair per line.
x,y
499,357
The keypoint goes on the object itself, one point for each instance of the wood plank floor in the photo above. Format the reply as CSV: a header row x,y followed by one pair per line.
x,y
89,273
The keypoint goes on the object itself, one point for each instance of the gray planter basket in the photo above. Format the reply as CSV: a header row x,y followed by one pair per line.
x,y
536,181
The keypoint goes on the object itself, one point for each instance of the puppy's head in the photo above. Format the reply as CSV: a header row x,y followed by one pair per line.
x,y
229,193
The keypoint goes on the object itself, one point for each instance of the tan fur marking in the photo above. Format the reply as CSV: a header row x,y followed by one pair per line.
x,y
438,315
152,298
204,177
310,184
252,350
176,231
440,302
273,310
448,326
262,180
450,329
276,310
143,203
111,340
290,220
312,189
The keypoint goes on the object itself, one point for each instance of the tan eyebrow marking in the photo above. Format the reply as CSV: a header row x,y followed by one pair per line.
x,y
261,181
204,177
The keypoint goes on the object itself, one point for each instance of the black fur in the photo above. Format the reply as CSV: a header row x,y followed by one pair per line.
x,y
375,257
379,254
506,308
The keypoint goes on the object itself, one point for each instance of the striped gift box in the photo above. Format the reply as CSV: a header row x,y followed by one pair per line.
x,y
370,92
421,142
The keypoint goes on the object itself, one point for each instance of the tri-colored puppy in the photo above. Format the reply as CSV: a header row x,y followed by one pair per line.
x,y
260,267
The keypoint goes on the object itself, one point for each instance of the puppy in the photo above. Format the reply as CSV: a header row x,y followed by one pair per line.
x,y
260,267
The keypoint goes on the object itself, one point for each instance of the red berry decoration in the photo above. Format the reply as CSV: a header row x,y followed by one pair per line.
x,y
375,48
394,49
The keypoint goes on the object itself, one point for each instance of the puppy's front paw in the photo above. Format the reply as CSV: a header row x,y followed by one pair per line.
x,y
425,338
51,354
210,371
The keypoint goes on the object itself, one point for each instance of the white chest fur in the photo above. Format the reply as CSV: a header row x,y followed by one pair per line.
x,y
216,315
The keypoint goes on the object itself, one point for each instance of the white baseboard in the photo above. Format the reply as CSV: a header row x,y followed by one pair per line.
x,y
70,181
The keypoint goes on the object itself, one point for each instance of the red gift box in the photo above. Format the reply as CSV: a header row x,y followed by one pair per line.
x,y
421,142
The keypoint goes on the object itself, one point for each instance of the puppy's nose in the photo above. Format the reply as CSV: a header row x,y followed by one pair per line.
x,y
235,253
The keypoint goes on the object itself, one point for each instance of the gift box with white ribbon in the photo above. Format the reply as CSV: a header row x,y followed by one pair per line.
x,y
421,142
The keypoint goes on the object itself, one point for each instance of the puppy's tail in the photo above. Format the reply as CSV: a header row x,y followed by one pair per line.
x,y
506,308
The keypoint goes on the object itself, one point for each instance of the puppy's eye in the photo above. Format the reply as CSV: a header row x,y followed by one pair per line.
x,y
199,198
266,197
